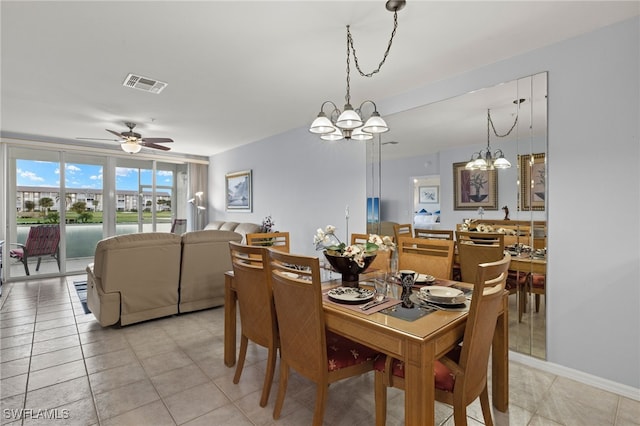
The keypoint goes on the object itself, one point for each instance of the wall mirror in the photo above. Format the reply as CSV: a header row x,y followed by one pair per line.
x,y
410,179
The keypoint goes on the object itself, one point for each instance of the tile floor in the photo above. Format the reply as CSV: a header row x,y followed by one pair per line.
x,y
59,362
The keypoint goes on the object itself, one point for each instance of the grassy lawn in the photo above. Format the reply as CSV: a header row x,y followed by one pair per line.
x,y
121,217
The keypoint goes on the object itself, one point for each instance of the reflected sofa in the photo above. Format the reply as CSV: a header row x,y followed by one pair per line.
x,y
138,277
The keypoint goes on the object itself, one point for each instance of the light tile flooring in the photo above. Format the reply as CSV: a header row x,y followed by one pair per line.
x,y
57,361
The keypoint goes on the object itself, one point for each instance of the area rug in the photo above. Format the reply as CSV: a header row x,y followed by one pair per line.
x,y
81,289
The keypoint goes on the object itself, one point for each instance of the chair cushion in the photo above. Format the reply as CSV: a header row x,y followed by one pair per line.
x,y
538,280
343,352
17,253
444,379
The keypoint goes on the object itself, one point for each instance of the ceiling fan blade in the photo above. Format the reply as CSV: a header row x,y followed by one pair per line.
x,y
153,145
100,139
115,133
157,140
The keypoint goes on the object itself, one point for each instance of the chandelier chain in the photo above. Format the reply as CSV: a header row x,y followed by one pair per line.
x,y
384,58
494,127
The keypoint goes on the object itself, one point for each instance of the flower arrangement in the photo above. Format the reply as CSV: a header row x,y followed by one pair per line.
x,y
268,224
326,239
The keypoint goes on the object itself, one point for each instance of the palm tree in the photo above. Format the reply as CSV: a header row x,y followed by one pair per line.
x,y
45,203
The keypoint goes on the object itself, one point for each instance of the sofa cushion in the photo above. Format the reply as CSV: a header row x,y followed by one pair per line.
x,y
228,226
205,259
248,228
214,225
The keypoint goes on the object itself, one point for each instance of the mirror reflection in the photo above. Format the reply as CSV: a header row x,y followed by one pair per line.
x,y
416,175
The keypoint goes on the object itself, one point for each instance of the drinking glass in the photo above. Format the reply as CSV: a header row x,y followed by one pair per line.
x,y
381,285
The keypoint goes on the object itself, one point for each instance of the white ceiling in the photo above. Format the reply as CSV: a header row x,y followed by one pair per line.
x,y
239,71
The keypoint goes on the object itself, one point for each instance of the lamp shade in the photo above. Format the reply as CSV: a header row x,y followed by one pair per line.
x,y
132,147
359,135
375,124
349,119
501,163
336,135
321,125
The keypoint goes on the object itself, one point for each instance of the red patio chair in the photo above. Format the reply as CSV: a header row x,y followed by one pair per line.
x,y
42,241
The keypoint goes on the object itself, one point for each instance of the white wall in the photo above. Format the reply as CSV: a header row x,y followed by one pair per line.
x,y
593,319
302,182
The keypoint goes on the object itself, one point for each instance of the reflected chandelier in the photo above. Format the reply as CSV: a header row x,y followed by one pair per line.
x,y
349,123
484,159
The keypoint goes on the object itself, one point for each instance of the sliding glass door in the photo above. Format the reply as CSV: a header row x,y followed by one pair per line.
x,y
84,198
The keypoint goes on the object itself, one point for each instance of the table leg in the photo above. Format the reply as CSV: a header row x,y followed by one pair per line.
x,y
229,321
500,360
419,399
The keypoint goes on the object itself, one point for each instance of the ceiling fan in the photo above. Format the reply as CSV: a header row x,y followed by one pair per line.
x,y
133,142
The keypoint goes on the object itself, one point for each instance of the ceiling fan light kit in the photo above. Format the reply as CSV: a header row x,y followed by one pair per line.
x,y
349,123
132,142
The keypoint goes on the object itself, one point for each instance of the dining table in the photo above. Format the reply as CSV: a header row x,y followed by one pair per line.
x,y
418,342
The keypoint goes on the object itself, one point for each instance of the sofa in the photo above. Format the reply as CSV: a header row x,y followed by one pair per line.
x,y
243,228
137,277
205,258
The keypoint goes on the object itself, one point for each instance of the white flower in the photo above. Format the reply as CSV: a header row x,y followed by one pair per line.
x,y
330,229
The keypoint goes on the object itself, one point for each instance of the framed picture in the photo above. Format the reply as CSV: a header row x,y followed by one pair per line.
x,y
474,188
428,195
238,186
533,178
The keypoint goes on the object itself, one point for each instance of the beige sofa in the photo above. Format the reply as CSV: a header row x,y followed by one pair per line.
x,y
134,277
205,259
138,277
243,228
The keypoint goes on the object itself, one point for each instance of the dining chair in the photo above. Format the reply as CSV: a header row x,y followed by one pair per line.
x,y
257,311
305,345
474,249
381,262
441,234
179,226
532,283
402,230
460,375
42,240
274,240
426,256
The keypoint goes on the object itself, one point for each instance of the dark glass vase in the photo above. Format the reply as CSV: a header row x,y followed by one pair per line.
x,y
348,268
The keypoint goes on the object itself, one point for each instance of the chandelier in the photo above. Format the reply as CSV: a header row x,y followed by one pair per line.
x,y
349,123
484,159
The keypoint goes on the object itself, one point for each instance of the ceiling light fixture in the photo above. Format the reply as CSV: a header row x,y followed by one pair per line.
x,y
484,159
131,146
349,123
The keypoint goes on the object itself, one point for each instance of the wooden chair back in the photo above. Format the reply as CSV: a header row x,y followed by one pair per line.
x,y
441,234
298,300
303,337
275,240
475,248
257,310
426,256
471,370
381,262
402,230
471,359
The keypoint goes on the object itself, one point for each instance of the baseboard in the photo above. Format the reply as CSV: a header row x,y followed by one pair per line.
x,y
579,376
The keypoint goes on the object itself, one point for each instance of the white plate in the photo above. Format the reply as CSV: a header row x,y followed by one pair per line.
x,y
440,291
350,295
442,295
422,278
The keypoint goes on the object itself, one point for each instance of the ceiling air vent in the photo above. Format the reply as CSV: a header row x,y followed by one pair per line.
x,y
144,83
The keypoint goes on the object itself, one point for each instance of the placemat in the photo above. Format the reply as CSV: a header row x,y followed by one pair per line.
x,y
389,303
